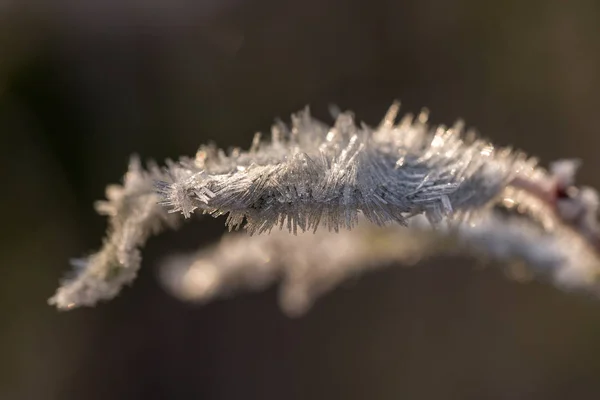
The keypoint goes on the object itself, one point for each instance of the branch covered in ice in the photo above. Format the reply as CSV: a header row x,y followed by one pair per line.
x,y
475,197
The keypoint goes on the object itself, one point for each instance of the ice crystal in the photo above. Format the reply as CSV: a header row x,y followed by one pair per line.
x,y
475,197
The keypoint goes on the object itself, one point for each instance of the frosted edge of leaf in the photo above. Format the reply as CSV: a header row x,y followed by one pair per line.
x,y
134,215
310,174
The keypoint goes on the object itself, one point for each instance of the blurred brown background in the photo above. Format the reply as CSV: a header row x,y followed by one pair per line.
x,y
85,83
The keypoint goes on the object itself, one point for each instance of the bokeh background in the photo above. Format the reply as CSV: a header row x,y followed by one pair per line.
x,y
86,83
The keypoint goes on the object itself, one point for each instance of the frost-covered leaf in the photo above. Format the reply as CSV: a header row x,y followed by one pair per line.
x,y
476,198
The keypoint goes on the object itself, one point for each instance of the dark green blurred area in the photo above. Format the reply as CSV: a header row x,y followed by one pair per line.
x,y
84,84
